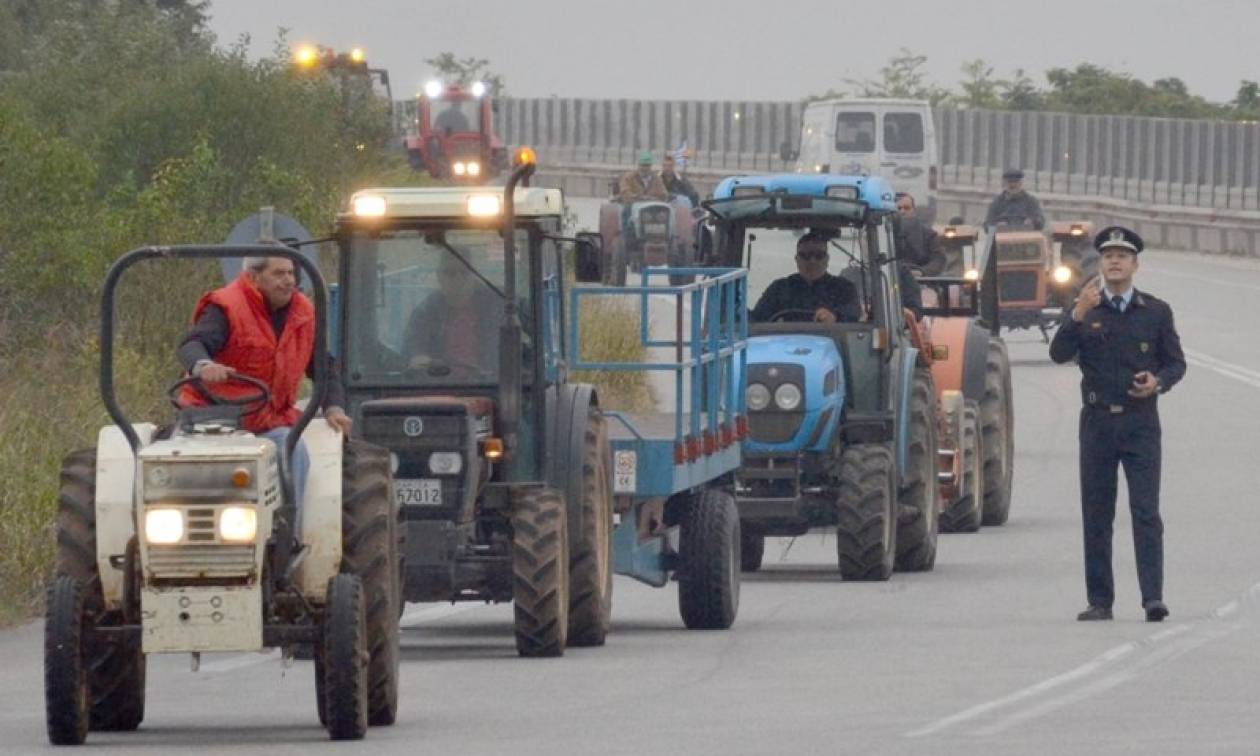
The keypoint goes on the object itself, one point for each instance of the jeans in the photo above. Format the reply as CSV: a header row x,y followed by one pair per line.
x,y
300,465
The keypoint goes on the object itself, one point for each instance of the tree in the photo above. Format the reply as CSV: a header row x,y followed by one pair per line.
x,y
979,88
1247,102
1020,93
466,71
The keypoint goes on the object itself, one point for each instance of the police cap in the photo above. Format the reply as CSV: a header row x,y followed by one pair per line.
x,y
1012,174
1118,236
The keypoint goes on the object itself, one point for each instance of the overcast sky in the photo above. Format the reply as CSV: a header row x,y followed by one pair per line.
x,y
777,50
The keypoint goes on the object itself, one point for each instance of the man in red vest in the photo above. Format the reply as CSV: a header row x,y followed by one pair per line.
x,y
260,325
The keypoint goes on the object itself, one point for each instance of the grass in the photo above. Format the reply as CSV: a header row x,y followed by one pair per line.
x,y
610,333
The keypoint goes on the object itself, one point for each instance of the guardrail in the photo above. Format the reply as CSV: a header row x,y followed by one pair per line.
x,y
1164,226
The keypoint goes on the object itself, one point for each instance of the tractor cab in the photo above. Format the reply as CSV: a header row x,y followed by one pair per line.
x,y
1033,287
455,136
958,242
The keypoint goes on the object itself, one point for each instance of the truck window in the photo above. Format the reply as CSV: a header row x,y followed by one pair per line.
x,y
903,132
855,132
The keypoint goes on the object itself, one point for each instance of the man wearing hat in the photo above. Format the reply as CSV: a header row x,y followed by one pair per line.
x,y
642,184
1129,353
1014,204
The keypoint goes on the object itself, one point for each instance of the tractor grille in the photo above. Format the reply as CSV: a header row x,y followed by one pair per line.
x,y
195,563
774,427
1017,286
413,443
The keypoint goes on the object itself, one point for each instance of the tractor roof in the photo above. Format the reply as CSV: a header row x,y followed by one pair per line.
x,y
874,191
457,202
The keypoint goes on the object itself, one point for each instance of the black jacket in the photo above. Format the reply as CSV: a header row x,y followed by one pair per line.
x,y
1022,205
919,247
795,293
676,184
1113,346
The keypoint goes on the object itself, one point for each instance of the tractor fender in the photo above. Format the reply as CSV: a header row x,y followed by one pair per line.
x,y
321,511
907,361
115,494
568,409
975,355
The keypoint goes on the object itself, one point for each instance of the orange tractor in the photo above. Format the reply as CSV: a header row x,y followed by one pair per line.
x,y
455,136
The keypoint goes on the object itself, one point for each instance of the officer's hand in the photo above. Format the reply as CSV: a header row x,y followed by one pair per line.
x,y
213,372
338,419
1091,297
823,315
1144,385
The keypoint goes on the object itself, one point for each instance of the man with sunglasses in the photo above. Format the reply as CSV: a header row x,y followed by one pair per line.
x,y
810,294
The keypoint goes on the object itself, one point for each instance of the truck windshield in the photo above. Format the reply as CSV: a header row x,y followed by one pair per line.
x,y
455,116
423,307
903,132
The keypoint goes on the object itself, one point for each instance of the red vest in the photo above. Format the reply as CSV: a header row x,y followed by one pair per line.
x,y
252,349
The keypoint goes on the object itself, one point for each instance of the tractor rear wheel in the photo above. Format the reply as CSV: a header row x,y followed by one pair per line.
x,y
866,538
752,549
997,427
540,566
964,513
590,565
679,258
345,659
916,536
115,667
708,574
369,550
67,703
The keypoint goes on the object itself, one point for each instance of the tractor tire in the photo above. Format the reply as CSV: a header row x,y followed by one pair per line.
x,y
116,667
67,702
345,659
590,563
964,514
709,561
997,430
916,536
866,538
752,549
678,258
540,567
369,550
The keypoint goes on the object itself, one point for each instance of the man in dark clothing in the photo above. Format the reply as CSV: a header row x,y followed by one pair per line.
x,y
811,294
456,327
1129,353
918,245
1014,205
911,292
677,185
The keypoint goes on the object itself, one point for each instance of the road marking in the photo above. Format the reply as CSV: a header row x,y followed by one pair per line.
x,y
1221,367
415,616
1206,280
1159,648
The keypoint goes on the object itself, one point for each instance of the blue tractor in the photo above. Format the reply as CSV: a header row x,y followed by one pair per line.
x,y
842,415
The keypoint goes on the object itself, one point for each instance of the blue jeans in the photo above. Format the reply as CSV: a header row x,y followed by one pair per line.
x,y
300,465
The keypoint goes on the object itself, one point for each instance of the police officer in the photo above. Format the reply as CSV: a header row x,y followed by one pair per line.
x,y
1129,353
1015,204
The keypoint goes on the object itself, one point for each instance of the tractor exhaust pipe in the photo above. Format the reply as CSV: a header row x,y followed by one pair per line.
x,y
510,385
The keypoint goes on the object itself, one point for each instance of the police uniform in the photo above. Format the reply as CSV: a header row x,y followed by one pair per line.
x,y
1019,205
1119,338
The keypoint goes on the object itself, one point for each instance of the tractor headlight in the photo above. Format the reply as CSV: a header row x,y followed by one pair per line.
x,y
459,169
788,396
1062,274
445,463
972,274
164,526
473,168
758,397
238,524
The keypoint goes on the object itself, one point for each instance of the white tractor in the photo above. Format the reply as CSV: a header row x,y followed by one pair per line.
x,y
187,540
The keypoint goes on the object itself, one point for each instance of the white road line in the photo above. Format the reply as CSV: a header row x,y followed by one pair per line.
x,y
1221,367
415,616
1206,280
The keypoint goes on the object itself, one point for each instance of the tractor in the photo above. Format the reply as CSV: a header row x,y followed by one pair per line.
x,y
454,359
455,136
842,416
187,539
656,233
1075,242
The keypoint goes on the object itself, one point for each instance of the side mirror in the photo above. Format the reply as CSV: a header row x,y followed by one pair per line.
x,y
588,258
786,153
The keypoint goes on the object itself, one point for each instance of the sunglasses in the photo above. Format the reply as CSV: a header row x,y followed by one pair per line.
x,y
817,255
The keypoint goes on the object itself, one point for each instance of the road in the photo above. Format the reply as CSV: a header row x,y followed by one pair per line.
x,y
982,655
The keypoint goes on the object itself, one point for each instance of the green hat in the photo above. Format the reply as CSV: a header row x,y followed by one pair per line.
x,y
645,157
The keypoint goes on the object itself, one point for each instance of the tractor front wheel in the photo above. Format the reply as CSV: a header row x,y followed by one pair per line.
x,y
708,576
345,659
540,567
67,705
590,568
866,538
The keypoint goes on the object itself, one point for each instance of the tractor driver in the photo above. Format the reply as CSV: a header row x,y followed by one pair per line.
x,y
811,293
676,185
260,325
1015,204
642,183
454,326
452,120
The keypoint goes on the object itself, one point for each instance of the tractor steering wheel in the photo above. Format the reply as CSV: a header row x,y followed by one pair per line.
x,y
260,398
782,316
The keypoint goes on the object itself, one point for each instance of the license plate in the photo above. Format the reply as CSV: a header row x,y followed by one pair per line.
x,y
423,492
659,229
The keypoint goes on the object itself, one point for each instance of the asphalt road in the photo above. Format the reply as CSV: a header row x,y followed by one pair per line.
x,y
982,655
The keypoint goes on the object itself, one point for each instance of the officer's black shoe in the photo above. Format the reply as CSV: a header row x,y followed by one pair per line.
x,y
1156,611
1094,613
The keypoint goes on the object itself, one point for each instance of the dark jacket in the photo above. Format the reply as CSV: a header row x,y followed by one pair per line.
x,y
675,184
919,247
210,333
1020,206
795,293
1113,346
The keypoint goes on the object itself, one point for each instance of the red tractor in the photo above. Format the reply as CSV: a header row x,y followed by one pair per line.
x,y
455,134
